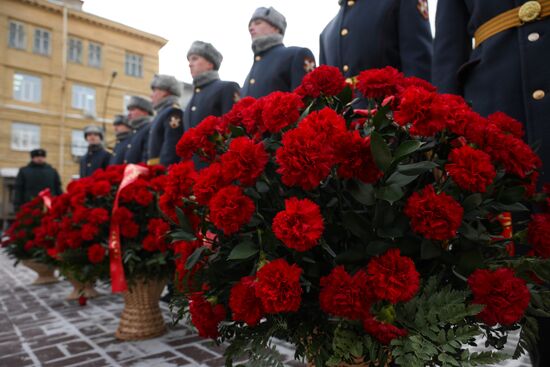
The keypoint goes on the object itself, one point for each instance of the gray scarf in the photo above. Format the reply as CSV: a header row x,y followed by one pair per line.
x,y
264,43
139,122
205,78
166,101
123,135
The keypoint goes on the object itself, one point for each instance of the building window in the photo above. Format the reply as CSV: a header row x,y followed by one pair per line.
x,y
125,102
94,55
75,50
134,65
27,88
25,137
17,37
42,41
79,146
83,98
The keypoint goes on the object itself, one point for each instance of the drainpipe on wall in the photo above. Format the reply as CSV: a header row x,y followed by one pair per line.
x,y
63,93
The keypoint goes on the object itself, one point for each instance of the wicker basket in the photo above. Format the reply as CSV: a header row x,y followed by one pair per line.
x,y
141,317
80,289
45,273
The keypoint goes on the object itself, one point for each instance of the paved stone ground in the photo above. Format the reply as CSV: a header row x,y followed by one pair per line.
x,y
39,328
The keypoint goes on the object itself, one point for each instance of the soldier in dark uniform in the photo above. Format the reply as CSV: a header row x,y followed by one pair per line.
x,y
369,34
275,67
35,177
96,157
123,134
504,69
140,111
211,96
167,126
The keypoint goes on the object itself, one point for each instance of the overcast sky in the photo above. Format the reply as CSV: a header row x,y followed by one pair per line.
x,y
224,23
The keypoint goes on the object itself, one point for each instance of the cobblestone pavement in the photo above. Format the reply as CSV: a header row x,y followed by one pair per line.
x,y
39,328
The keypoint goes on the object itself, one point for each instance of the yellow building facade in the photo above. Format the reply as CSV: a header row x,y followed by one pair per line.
x,y
62,69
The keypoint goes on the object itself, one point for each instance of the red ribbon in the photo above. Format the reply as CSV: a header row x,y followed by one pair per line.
x,y
118,279
505,220
46,196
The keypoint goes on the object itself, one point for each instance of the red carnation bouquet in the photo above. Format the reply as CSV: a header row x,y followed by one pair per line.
x,y
378,234
19,240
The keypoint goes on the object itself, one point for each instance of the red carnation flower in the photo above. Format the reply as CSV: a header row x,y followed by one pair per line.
x,y
205,317
504,295
379,83
538,234
382,331
434,216
310,151
101,188
280,109
125,218
96,253
196,140
413,81
356,159
89,231
244,113
278,287
324,80
230,208
244,303
507,124
177,185
156,240
98,216
300,225
471,169
417,107
344,295
244,161
182,250
393,277
209,181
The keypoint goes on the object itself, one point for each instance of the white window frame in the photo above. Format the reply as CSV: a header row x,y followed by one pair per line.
x,y
74,50
27,88
94,54
17,37
79,146
42,41
133,65
125,101
83,98
24,136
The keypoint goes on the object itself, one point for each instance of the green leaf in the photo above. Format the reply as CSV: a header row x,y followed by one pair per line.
x,y
356,224
180,235
375,248
416,168
512,195
262,187
362,192
400,179
194,258
236,131
345,95
516,207
183,220
429,250
472,202
390,193
243,250
406,148
328,249
380,121
380,151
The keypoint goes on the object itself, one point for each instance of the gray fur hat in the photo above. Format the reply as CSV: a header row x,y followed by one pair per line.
x,y
207,51
93,129
120,120
271,16
167,83
141,103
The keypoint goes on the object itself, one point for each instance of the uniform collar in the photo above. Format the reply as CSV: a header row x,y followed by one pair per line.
x,y
95,147
264,43
137,123
205,78
166,101
123,135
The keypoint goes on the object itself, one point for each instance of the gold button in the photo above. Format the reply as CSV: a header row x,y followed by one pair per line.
x,y
529,11
538,94
129,146
252,81
345,68
351,3
89,164
349,80
344,32
258,58
533,37
194,108
197,90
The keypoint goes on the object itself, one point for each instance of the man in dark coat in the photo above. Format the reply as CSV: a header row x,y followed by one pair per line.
x,y
35,177
140,111
123,134
369,34
275,67
504,69
167,126
211,96
96,157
